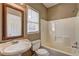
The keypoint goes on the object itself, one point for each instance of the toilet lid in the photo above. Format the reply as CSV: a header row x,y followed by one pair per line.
x,y
41,51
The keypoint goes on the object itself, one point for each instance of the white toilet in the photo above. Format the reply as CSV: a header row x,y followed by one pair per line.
x,y
39,51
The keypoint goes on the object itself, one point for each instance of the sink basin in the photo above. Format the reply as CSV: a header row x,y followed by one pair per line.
x,y
17,47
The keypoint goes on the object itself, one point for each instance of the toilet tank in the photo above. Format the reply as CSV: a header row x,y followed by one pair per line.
x,y
36,45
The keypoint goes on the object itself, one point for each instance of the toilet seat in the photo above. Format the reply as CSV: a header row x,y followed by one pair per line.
x,y
42,52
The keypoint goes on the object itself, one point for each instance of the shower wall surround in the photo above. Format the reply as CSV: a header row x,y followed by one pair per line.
x,y
62,34
44,31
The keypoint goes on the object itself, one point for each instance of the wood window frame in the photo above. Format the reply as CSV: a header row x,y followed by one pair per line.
x,y
29,7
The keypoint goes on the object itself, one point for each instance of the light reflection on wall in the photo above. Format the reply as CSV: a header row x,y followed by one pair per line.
x,y
53,27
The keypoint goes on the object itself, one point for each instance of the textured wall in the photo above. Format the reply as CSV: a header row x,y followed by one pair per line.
x,y
60,11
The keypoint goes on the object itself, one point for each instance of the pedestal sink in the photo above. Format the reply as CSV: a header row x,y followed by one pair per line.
x,y
17,47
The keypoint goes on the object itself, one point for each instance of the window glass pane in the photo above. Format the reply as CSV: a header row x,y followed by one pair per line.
x,y
29,14
32,27
33,16
33,21
13,25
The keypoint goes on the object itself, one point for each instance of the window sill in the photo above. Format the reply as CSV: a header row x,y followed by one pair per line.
x,y
32,32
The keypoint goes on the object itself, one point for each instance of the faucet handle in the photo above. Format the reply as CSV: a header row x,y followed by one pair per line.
x,y
75,45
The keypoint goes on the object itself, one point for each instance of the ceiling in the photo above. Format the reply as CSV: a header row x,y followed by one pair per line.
x,y
49,4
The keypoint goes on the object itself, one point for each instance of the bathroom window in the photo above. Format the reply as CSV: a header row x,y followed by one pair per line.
x,y
33,21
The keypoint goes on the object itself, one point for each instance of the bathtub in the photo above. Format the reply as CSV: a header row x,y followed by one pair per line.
x,y
56,52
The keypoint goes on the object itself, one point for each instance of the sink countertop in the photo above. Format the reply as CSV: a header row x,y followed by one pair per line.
x,y
13,45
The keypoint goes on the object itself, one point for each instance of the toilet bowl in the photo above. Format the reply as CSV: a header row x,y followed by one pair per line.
x,y
39,51
42,52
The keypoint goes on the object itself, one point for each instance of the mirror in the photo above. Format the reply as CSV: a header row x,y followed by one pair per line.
x,y
13,22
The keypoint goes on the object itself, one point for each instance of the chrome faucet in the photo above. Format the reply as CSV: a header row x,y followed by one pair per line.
x,y
75,45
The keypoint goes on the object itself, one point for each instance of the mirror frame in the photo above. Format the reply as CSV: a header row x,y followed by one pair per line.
x,y
4,27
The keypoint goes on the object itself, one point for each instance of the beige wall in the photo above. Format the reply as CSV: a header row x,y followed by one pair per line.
x,y
78,6
61,11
